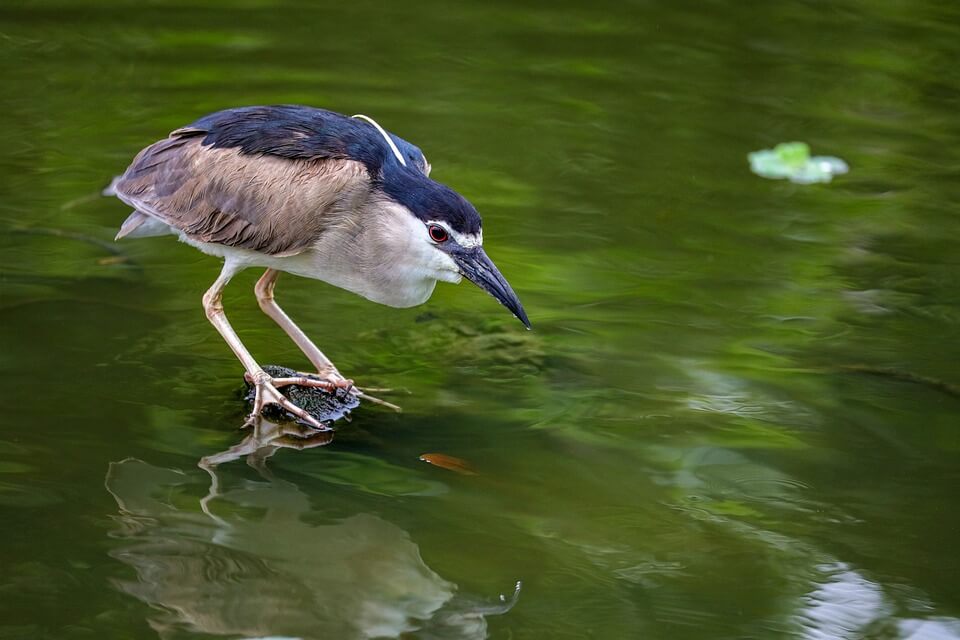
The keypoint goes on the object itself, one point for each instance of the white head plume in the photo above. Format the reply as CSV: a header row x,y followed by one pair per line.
x,y
386,136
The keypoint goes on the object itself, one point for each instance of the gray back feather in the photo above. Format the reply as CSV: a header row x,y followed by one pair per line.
x,y
270,204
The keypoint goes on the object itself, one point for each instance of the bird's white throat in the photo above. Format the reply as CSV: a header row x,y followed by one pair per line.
x,y
389,258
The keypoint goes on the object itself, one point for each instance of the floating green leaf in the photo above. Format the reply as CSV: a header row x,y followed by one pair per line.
x,y
792,160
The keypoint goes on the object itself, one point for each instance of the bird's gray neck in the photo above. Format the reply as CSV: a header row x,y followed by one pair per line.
x,y
380,251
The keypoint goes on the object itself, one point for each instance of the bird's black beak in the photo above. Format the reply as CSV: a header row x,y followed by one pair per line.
x,y
479,269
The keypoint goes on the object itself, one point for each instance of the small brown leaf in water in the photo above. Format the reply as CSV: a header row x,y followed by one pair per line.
x,y
112,260
449,463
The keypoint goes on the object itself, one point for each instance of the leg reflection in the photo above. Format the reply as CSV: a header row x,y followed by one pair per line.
x,y
265,439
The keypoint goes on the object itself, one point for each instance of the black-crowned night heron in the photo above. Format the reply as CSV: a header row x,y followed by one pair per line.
x,y
316,194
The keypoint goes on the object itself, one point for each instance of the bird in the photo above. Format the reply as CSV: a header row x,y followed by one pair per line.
x,y
313,193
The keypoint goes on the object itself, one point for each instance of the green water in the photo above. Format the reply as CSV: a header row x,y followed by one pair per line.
x,y
733,418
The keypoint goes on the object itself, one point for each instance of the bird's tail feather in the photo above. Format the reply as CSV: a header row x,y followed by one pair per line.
x,y
110,189
141,225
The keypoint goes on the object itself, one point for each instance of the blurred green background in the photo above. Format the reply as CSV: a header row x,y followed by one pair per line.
x,y
737,414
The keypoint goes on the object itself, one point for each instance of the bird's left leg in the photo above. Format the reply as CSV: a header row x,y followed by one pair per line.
x,y
325,368
264,292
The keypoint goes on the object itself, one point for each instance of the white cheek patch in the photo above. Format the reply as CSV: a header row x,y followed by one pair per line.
x,y
446,269
465,240
411,247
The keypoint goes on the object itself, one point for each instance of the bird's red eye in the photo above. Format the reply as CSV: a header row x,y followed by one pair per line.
x,y
437,233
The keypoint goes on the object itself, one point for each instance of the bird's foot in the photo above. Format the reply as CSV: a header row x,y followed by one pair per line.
x,y
369,398
329,384
267,393
333,377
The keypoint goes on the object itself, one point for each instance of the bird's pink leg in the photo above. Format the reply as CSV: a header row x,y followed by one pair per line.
x,y
264,291
325,368
266,391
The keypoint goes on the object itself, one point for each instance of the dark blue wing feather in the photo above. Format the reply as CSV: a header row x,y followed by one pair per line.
x,y
298,132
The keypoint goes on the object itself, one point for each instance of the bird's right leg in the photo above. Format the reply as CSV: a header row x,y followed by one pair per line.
x,y
265,387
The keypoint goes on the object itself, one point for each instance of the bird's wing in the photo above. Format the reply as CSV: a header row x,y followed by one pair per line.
x,y
299,133
219,194
262,178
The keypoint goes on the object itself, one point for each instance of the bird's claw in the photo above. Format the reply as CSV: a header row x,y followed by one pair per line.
x,y
333,377
361,393
330,386
331,380
266,392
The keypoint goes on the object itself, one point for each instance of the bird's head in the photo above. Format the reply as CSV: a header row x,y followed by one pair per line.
x,y
446,223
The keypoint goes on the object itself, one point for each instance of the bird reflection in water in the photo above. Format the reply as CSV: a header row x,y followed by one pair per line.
x,y
264,440
248,564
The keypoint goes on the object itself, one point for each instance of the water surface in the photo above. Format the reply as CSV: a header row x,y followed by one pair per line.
x,y
737,414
